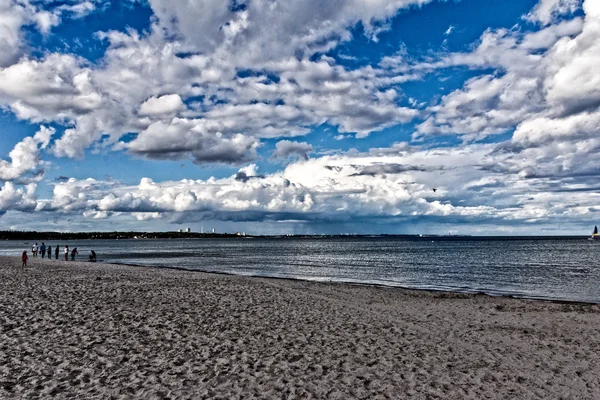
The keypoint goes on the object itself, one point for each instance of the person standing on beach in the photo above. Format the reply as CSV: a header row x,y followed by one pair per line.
x,y
24,259
73,253
67,252
43,250
50,252
34,250
56,251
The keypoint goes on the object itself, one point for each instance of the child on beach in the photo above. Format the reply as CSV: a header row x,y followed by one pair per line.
x,y
66,253
24,259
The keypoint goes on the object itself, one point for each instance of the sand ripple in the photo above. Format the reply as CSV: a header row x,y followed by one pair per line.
x,y
79,330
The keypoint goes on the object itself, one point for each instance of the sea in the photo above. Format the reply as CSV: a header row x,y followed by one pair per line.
x,y
566,269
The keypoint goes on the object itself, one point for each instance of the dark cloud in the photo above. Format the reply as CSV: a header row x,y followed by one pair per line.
x,y
183,139
225,153
579,105
286,149
594,189
244,177
381,169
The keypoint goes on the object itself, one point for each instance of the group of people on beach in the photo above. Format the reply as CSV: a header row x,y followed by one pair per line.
x,y
43,250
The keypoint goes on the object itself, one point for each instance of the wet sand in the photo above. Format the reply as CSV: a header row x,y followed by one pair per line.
x,y
85,330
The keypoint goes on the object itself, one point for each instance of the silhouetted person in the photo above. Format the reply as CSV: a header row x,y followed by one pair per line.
x,y
24,259
43,250
93,256
73,252
56,251
50,252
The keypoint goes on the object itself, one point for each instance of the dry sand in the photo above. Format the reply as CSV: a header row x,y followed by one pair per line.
x,y
83,330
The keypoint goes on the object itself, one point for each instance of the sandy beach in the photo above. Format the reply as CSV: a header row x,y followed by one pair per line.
x,y
85,330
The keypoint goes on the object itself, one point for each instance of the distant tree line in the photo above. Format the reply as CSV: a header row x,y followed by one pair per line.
x,y
33,235
38,236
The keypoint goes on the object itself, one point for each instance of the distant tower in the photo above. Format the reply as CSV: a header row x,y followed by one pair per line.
x,y
213,230
188,230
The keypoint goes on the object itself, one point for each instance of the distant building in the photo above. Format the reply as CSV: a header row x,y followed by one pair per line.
x,y
179,230
188,230
213,230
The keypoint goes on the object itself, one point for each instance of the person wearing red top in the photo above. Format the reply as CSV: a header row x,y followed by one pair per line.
x,y
24,258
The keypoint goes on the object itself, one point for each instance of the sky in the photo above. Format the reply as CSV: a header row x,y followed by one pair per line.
x,y
301,116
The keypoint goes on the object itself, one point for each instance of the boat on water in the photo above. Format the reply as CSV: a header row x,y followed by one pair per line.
x,y
595,234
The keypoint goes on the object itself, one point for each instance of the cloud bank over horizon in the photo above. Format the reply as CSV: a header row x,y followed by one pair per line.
x,y
300,117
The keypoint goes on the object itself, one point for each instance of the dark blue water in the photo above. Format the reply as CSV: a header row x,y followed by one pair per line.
x,y
559,269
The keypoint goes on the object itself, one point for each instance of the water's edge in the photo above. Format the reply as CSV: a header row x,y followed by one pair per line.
x,y
470,292
562,270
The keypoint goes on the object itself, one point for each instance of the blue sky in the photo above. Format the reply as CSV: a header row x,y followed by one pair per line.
x,y
300,116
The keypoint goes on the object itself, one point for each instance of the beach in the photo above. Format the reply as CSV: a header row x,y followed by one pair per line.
x,y
93,330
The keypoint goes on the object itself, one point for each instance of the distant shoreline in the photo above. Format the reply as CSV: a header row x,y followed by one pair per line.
x,y
37,236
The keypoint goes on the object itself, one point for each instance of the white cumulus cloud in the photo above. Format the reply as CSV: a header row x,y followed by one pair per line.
x,y
25,156
167,104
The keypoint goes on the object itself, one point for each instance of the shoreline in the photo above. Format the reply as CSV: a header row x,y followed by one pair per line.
x,y
456,291
377,285
94,330
566,276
